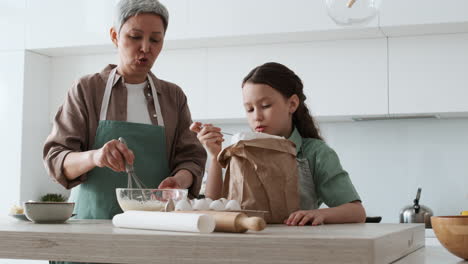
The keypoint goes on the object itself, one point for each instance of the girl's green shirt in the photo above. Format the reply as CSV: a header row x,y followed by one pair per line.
x,y
332,183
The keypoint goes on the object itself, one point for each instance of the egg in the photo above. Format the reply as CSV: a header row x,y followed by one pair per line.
x,y
223,200
209,200
217,205
201,205
192,202
233,205
183,205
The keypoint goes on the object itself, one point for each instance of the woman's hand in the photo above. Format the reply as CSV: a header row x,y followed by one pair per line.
x,y
210,137
170,183
113,155
304,216
183,179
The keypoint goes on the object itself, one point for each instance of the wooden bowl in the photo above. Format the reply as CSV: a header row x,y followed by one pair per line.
x,y
452,232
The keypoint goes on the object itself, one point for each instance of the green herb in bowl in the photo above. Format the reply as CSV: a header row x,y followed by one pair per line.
x,y
53,197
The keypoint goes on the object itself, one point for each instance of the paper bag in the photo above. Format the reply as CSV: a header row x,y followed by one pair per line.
x,y
262,175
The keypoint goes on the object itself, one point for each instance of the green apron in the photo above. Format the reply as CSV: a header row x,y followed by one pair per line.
x,y
96,198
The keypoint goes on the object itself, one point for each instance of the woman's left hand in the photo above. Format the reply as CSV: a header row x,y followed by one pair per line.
x,y
169,183
304,216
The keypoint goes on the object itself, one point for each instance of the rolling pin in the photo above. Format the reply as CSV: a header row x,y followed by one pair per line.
x,y
233,222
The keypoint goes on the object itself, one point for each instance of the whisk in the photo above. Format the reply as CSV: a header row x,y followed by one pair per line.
x,y
131,172
132,177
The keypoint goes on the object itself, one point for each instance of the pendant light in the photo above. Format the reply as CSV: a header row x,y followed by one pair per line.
x,y
352,12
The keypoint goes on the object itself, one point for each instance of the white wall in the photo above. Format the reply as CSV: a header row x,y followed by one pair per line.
x,y
389,160
11,94
36,127
66,70
12,23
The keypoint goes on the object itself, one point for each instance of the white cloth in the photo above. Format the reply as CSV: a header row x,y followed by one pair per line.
x,y
137,106
184,222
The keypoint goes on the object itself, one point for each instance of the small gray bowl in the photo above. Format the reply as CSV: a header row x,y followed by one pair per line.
x,y
48,212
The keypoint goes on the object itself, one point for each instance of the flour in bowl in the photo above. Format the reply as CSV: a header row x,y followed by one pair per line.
x,y
133,205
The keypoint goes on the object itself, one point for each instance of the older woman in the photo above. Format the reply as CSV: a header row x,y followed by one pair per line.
x,y
125,100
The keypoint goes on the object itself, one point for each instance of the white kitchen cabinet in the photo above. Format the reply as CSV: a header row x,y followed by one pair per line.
x,y
226,67
230,18
341,78
186,68
66,70
11,116
418,17
67,23
65,27
82,26
428,74
12,16
235,17
178,19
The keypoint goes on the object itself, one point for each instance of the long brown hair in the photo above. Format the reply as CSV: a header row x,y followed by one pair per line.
x,y
285,81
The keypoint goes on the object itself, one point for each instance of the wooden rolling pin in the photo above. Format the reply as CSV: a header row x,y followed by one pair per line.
x,y
233,222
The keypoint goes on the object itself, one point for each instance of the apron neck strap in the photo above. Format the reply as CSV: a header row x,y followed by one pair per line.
x,y
157,106
107,94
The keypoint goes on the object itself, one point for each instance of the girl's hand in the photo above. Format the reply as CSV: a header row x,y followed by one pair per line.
x,y
210,137
113,155
302,217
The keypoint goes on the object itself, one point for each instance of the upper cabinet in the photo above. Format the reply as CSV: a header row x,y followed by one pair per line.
x,y
341,77
428,74
58,27
58,23
372,69
178,18
418,17
228,18
187,69
12,17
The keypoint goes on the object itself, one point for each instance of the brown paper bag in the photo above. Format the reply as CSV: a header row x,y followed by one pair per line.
x,y
262,175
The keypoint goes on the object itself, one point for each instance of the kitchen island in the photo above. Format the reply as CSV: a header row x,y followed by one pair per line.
x,y
431,255
98,241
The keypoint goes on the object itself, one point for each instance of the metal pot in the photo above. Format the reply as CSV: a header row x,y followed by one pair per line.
x,y
416,213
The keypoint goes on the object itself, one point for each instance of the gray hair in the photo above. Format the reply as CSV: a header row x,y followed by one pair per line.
x,y
128,8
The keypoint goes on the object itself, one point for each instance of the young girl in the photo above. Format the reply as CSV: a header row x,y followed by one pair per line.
x,y
274,102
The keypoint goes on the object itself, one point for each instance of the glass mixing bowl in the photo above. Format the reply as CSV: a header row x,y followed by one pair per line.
x,y
147,199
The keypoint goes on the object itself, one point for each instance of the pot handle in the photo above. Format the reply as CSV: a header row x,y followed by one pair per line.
x,y
416,201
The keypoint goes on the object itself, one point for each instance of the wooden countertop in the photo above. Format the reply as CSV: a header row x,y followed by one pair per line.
x,y
99,241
